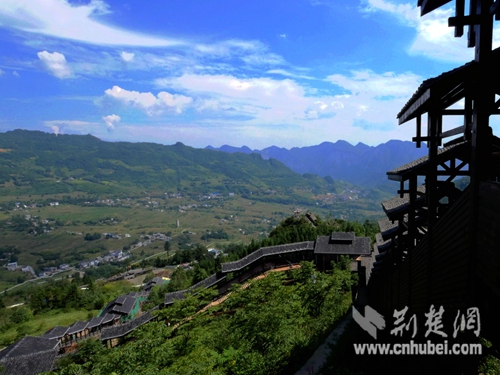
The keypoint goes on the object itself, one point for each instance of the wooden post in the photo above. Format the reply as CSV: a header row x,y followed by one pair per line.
x,y
484,98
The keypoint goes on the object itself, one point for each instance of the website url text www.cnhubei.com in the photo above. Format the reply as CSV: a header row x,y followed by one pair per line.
x,y
413,348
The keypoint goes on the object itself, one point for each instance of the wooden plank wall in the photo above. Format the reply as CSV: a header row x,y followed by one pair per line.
x,y
442,276
426,277
487,288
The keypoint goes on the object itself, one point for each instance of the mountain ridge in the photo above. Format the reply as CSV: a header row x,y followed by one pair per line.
x,y
35,162
358,164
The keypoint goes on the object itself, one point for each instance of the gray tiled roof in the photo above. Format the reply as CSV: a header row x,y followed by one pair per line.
x,y
382,244
30,364
346,237
55,333
124,329
206,283
94,322
381,256
120,300
418,166
172,296
122,305
387,228
265,251
153,282
398,206
420,100
433,89
109,317
358,246
77,327
30,355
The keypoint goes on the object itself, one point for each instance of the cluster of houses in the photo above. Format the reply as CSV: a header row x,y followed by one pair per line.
x,y
49,271
215,252
13,266
150,238
346,195
114,256
214,195
107,202
46,272
20,206
130,274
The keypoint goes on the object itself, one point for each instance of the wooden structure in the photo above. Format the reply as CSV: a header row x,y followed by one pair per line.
x,y
440,245
322,251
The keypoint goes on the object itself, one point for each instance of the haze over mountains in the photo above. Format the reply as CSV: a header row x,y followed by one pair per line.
x,y
361,165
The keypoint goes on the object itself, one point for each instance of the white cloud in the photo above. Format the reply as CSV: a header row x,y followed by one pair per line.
x,y
286,73
371,97
283,36
321,104
149,103
261,104
110,121
337,104
62,19
82,127
56,64
127,56
251,52
16,74
263,99
1,72
434,38
377,85
263,59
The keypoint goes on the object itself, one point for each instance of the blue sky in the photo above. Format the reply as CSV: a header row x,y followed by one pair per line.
x,y
247,72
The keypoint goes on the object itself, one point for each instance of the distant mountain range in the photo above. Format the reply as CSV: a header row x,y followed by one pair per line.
x,y
34,162
361,165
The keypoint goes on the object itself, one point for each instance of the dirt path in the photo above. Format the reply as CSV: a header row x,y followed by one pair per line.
x,y
244,286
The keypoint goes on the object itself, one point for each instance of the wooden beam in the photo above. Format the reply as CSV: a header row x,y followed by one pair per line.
x,y
439,129
419,130
456,173
462,164
471,34
427,6
453,95
452,132
425,138
464,20
495,9
497,104
445,168
417,103
459,12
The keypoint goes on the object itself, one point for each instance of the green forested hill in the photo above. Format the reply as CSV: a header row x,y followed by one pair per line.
x,y
33,162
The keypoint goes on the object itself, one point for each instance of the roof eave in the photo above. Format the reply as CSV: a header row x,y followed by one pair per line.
x,y
427,6
413,110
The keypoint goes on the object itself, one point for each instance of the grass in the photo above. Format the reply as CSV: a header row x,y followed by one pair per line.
x,y
43,322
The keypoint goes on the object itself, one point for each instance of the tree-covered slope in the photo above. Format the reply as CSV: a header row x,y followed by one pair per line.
x,y
33,162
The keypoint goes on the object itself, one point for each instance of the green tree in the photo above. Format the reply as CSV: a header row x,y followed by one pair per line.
x,y
166,247
20,315
179,280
